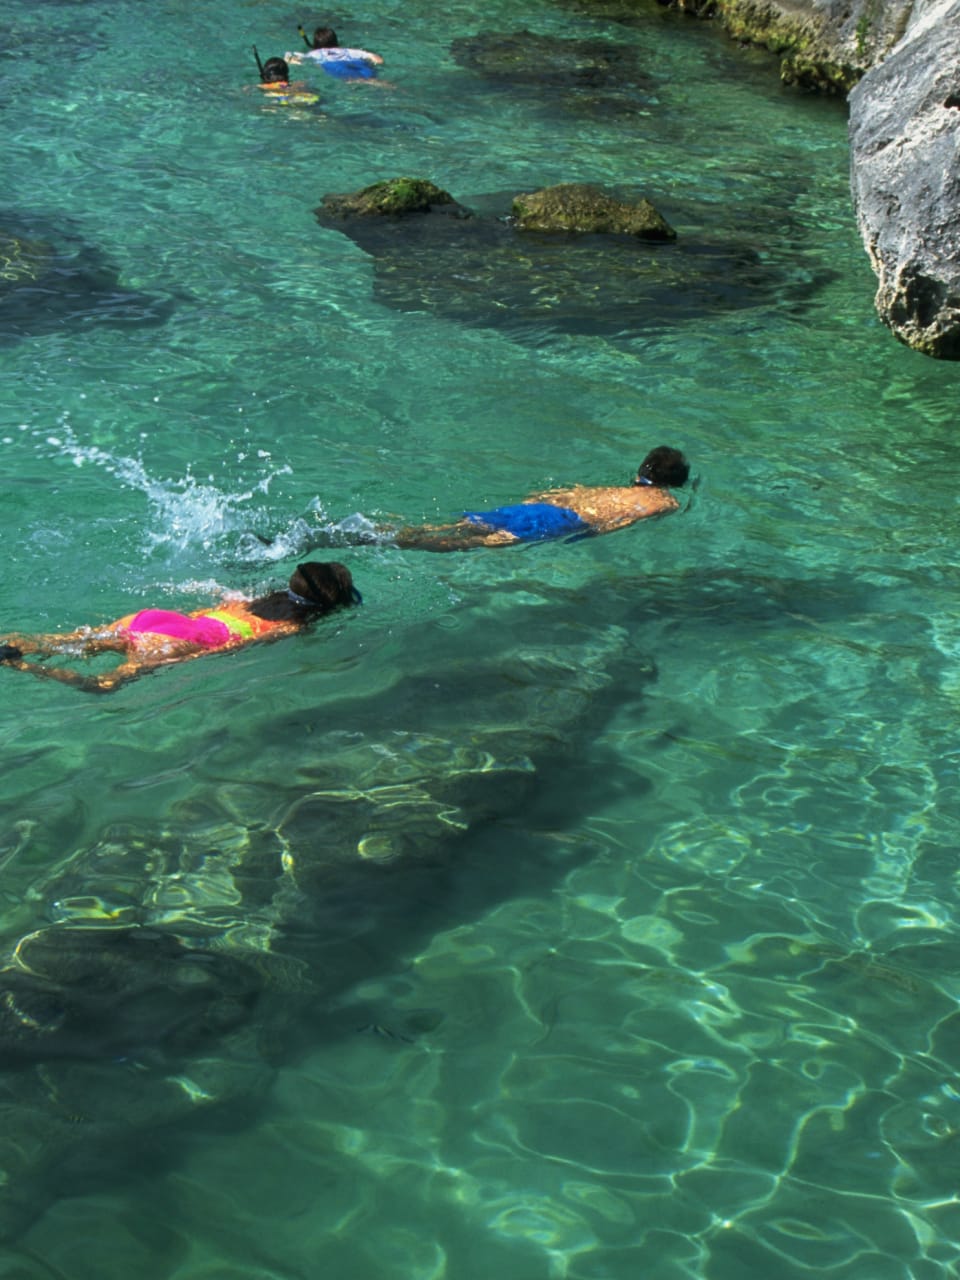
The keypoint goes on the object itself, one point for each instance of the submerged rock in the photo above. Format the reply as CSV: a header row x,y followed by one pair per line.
x,y
50,279
391,198
113,1037
108,1032
580,207
905,167
116,994
527,56
484,270
581,74
22,261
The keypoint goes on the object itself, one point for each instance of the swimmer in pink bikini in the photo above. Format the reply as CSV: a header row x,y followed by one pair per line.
x,y
156,637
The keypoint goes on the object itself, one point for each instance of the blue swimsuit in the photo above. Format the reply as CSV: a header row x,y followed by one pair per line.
x,y
343,64
347,69
530,521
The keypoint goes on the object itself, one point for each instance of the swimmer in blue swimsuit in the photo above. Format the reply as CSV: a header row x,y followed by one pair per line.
x,y
579,512
344,64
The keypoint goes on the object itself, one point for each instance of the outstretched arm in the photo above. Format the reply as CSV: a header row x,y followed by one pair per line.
x,y
83,642
104,683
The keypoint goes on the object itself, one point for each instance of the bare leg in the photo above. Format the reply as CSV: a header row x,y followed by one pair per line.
x,y
463,536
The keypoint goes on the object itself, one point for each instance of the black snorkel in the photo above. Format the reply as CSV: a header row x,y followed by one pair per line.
x,y
304,34
263,78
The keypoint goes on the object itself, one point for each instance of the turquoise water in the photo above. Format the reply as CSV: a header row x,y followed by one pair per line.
x,y
581,911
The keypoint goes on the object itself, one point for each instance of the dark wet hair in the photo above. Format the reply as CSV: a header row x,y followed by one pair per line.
x,y
664,467
316,588
275,69
326,584
325,38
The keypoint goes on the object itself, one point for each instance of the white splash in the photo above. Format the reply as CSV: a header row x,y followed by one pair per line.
x,y
185,513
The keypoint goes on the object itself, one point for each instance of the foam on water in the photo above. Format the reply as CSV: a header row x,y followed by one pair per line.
x,y
183,513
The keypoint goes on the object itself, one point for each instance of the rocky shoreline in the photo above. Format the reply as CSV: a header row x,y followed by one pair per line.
x,y
899,63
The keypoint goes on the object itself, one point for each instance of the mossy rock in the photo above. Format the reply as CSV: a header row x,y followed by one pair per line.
x,y
821,75
391,198
583,208
816,52
486,271
767,24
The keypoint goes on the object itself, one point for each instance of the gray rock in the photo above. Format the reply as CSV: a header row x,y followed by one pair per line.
x,y
823,44
899,61
905,167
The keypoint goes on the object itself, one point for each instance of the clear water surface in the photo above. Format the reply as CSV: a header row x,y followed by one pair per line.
x,y
582,911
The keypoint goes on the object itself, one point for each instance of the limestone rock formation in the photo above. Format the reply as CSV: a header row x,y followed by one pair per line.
x,y
823,44
899,63
905,164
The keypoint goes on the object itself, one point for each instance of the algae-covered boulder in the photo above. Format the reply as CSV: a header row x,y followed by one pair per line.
x,y
483,270
580,207
392,198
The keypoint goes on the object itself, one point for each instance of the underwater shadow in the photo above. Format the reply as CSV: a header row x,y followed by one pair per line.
x,y
406,816
415,807
51,280
481,272
585,76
